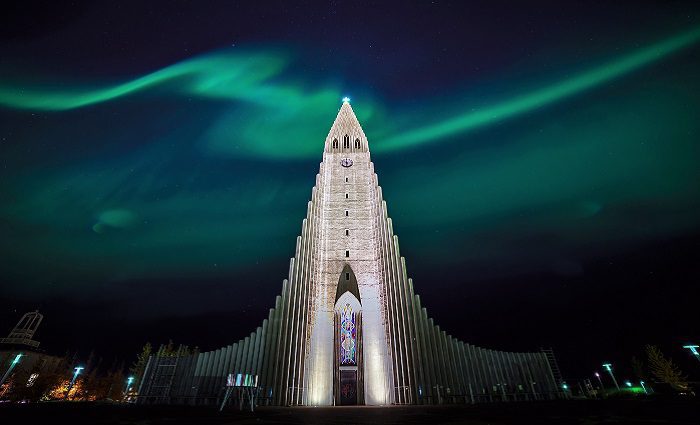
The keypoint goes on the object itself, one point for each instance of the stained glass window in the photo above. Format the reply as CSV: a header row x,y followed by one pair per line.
x,y
348,340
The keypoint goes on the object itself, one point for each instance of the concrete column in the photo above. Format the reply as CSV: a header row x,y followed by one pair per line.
x,y
283,350
232,359
408,332
251,353
261,350
246,355
221,369
457,366
206,369
302,279
400,324
278,393
450,366
291,315
392,311
237,366
436,364
424,383
269,335
413,360
429,356
485,376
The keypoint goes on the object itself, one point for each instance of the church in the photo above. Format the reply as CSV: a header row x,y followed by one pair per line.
x,y
348,327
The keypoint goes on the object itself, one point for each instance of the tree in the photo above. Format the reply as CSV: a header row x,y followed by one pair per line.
x,y
139,367
664,370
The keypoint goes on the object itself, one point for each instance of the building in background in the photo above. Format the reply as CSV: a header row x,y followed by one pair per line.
x,y
348,327
21,360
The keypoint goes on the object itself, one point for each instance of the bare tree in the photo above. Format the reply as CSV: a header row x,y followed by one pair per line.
x,y
664,370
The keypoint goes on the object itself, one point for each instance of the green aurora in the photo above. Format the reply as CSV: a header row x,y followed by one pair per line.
x,y
221,184
247,78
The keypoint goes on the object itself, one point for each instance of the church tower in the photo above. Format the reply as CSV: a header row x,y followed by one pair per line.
x,y
348,327
348,362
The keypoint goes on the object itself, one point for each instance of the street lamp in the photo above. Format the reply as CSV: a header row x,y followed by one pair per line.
x,y
600,381
693,350
629,384
608,367
643,387
77,370
129,381
12,366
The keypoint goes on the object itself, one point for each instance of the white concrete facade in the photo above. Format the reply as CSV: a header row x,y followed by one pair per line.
x,y
348,201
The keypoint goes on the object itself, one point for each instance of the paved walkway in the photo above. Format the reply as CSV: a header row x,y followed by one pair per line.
x,y
544,413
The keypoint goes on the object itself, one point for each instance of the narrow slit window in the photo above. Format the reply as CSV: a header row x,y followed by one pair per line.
x,y
346,179
347,254
357,143
346,213
347,232
335,143
346,196
347,276
346,142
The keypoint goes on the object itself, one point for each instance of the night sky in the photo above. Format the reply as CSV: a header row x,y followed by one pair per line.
x,y
540,163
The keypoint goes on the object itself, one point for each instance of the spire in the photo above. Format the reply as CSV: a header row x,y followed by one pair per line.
x,y
346,134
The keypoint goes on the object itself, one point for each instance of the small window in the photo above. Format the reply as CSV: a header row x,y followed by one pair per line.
x,y
346,142
335,143
346,179
347,275
347,232
346,213
357,143
347,254
346,196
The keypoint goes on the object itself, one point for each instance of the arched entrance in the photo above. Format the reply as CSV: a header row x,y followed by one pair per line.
x,y
348,381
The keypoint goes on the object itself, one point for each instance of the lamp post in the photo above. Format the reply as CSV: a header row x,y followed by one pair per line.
x,y
693,350
600,381
608,367
644,387
129,381
77,370
12,366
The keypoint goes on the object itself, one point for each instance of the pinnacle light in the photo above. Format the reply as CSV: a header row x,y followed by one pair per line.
x,y
346,99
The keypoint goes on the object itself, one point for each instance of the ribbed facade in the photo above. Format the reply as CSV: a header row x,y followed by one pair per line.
x,y
347,257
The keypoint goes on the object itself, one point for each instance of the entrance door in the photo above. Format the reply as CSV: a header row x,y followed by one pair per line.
x,y
348,387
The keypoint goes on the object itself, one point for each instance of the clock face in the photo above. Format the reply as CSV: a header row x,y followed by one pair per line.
x,y
346,162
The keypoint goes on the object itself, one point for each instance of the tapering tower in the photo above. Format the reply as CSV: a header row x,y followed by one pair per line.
x,y
348,358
